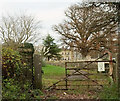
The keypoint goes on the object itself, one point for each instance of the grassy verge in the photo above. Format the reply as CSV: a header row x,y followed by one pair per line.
x,y
52,74
109,92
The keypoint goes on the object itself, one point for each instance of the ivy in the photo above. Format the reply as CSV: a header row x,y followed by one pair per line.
x,y
11,62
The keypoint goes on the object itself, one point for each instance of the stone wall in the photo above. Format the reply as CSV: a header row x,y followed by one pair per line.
x,y
26,50
56,63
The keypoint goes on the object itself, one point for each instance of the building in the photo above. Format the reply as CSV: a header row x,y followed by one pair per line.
x,y
70,54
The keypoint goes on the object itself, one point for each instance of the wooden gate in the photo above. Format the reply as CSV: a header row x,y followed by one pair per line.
x,y
84,73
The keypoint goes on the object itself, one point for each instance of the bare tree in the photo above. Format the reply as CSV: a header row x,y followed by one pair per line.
x,y
15,30
88,27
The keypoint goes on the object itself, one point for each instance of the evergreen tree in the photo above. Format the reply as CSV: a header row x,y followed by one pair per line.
x,y
50,49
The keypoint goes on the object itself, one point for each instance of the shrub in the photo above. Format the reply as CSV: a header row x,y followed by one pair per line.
x,y
13,89
11,63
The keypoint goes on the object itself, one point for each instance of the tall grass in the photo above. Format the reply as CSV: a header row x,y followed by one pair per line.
x,y
109,92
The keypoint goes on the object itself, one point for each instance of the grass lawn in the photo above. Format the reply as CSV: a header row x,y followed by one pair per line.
x,y
52,74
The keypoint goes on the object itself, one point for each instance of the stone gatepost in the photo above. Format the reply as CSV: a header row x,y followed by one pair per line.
x,y
38,72
26,50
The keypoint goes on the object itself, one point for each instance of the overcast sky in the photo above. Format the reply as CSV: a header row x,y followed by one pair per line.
x,y
49,12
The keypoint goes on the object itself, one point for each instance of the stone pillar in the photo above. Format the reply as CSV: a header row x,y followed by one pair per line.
x,y
38,72
26,50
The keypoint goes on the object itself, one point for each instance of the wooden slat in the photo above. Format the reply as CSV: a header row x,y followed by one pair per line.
x,y
80,68
64,89
87,80
80,74
93,61
81,85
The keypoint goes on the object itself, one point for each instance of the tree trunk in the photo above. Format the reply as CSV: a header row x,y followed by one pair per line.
x,y
48,58
84,55
118,56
